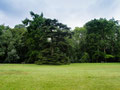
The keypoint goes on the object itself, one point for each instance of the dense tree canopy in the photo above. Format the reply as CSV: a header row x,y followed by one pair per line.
x,y
100,41
43,40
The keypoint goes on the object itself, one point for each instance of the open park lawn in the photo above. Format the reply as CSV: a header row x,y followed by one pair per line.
x,y
88,76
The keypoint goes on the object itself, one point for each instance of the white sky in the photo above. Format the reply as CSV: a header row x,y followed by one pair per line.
x,y
71,12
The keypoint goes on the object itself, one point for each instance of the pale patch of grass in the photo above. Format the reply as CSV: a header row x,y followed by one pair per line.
x,y
94,76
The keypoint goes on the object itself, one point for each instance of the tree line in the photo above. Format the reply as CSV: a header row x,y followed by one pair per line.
x,y
43,40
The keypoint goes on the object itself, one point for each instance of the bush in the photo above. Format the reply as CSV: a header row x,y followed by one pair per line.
x,y
56,59
108,56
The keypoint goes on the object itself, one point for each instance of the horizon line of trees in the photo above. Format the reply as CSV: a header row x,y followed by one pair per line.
x,y
46,41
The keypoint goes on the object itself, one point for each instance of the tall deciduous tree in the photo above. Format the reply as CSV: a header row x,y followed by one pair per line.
x,y
101,34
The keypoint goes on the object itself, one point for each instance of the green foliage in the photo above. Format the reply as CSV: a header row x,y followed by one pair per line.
x,y
85,58
109,56
98,38
98,56
12,57
11,44
40,29
101,38
46,41
56,59
77,44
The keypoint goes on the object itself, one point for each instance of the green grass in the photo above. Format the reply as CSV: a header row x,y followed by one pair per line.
x,y
94,76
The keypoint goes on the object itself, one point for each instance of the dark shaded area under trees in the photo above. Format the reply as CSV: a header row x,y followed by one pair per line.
x,y
46,41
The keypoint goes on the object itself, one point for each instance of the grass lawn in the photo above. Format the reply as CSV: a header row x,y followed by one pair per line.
x,y
94,76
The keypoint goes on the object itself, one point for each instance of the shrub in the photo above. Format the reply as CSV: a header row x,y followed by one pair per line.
x,y
56,59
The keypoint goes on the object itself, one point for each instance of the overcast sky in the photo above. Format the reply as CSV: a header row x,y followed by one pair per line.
x,y
71,12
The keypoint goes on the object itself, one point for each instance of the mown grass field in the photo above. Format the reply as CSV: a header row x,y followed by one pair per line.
x,y
99,76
